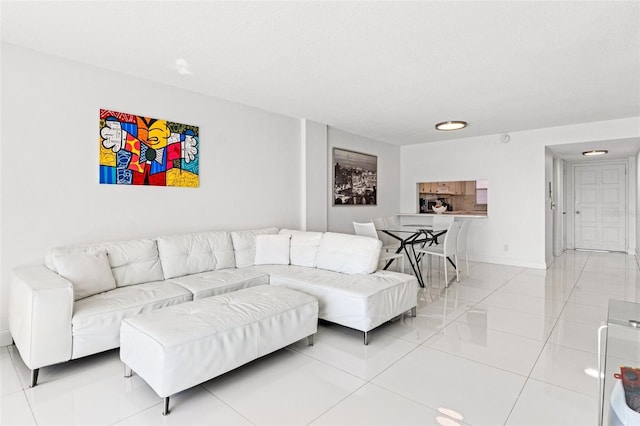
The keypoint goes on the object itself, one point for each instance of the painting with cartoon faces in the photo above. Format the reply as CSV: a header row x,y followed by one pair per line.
x,y
136,150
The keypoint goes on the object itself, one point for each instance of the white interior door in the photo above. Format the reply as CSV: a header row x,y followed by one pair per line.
x,y
600,207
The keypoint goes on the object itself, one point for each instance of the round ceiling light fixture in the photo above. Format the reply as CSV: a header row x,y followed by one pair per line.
x,y
447,126
595,152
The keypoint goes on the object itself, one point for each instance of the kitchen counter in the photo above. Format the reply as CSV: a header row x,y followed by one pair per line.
x,y
456,213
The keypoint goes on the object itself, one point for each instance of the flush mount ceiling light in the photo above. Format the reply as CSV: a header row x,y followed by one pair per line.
x,y
595,152
446,126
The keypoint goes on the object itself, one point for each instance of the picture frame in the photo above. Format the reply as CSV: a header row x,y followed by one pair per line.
x,y
140,150
355,178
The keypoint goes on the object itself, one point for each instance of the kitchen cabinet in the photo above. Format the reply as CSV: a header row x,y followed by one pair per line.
x,y
470,187
428,187
458,188
444,188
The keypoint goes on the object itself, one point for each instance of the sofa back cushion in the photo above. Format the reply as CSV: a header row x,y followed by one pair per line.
x,y
244,245
349,254
132,262
186,254
304,247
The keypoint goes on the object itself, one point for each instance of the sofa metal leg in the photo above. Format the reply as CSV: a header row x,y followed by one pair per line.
x,y
165,410
414,311
34,377
310,339
366,338
128,372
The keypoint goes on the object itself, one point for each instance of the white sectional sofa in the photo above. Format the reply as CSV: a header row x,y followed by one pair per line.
x,y
73,305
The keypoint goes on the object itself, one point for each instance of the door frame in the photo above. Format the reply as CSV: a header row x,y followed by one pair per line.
x,y
559,183
630,199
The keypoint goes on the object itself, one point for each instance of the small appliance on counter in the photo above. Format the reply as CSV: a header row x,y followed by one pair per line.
x,y
426,206
443,201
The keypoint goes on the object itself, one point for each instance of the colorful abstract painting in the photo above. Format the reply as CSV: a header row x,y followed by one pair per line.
x,y
136,150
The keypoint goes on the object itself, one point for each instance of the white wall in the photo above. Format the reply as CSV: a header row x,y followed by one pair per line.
x,y
249,163
514,233
341,217
314,159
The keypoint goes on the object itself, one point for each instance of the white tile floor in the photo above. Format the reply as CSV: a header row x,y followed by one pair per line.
x,y
506,346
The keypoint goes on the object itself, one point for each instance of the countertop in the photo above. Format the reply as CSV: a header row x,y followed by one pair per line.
x,y
461,213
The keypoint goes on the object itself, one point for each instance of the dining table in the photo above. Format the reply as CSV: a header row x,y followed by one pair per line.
x,y
410,236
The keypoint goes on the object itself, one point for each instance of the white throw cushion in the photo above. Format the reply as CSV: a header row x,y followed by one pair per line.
x,y
244,245
272,249
349,254
89,272
304,247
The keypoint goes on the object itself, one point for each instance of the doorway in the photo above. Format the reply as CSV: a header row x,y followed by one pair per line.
x,y
600,204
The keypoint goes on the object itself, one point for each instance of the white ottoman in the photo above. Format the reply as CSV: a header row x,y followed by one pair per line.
x,y
181,346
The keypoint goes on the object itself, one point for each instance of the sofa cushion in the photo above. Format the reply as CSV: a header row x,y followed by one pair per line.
x,y
304,247
96,320
213,283
272,249
132,262
244,245
89,272
349,254
185,254
358,301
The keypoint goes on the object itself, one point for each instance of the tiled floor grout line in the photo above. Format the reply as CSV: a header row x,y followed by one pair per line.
x,y
341,400
224,402
546,342
22,388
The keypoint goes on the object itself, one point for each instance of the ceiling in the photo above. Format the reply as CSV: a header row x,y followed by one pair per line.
x,y
617,149
385,70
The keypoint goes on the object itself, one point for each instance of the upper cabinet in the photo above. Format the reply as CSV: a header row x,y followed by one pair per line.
x,y
469,187
444,188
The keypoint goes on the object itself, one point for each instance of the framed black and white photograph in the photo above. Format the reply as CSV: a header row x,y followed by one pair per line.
x,y
355,178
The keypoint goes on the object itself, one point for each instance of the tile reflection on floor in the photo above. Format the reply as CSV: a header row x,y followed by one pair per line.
x,y
505,346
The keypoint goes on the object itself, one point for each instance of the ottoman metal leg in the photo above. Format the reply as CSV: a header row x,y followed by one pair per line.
x,y
414,311
366,338
310,340
165,410
128,372
34,377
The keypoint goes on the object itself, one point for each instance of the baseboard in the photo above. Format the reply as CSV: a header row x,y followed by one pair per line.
x,y
549,262
5,338
509,262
